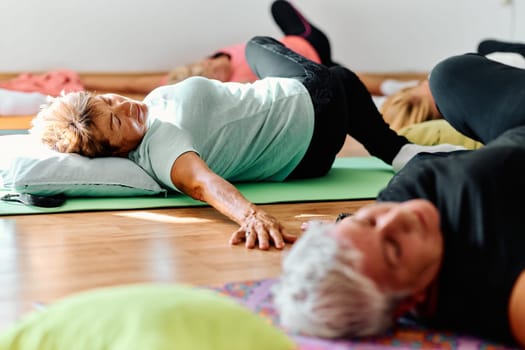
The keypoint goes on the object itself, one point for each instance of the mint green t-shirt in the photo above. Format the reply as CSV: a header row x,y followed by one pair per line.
x,y
244,132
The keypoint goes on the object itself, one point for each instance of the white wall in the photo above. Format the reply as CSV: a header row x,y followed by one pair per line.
x,y
156,35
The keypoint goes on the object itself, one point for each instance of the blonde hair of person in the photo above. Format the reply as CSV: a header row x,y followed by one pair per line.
x,y
407,107
217,66
189,70
65,124
320,293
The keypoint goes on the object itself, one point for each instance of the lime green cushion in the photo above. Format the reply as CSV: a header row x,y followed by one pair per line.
x,y
145,317
435,132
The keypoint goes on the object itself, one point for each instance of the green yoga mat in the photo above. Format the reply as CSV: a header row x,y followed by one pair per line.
x,y
350,178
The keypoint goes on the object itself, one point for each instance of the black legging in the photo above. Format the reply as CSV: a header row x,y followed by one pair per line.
x,y
343,106
479,97
489,46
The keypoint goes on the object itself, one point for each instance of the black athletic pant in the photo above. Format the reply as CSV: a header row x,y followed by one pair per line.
x,y
489,46
343,106
479,97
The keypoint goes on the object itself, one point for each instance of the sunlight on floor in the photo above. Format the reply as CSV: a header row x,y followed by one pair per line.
x,y
309,216
144,215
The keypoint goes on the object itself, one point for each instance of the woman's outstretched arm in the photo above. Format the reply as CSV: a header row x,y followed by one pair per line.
x,y
191,175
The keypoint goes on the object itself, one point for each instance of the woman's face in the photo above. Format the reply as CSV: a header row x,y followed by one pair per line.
x,y
121,121
402,243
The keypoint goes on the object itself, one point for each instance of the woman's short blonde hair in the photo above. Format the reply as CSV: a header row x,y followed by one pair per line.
x,y
321,293
65,124
407,107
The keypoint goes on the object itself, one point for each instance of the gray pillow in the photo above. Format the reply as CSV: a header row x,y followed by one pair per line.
x,y
30,168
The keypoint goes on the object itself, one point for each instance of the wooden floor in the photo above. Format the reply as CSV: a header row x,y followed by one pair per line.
x,y
46,257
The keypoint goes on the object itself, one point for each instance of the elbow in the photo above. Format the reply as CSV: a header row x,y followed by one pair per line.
x,y
191,176
195,190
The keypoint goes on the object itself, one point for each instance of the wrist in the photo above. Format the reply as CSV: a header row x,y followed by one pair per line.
x,y
250,212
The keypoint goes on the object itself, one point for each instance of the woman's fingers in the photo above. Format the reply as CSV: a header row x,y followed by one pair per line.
x,y
277,236
250,238
237,237
262,238
288,238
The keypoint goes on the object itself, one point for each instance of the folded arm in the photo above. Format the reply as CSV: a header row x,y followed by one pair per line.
x,y
191,175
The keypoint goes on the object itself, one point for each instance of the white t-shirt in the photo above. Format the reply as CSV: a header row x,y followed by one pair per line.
x,y
244,132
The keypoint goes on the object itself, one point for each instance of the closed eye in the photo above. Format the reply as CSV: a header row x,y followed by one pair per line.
x,y
341,216
392,252
114,122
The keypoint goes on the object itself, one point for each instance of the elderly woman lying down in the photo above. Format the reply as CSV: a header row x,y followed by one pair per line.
x,y
199,134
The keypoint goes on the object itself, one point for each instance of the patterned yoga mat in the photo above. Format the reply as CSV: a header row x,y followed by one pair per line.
x,y
256,296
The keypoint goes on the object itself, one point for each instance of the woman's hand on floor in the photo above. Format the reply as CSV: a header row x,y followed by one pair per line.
x,y
191,175
260,229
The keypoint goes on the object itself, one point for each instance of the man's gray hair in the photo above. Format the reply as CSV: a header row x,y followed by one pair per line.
x,y
321,293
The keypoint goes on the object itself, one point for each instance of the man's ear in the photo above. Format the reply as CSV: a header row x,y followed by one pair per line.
x,y
409,303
